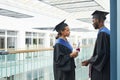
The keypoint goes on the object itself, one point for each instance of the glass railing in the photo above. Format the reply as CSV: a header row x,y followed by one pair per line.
x,y
37,65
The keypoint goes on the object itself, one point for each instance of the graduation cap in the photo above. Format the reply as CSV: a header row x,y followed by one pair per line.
x,y
101,15
60,26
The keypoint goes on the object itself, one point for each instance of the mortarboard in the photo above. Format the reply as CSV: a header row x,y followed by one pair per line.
x,y
101,15
60,26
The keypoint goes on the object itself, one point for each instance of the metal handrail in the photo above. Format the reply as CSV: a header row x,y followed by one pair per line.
x,y
35,50
29,50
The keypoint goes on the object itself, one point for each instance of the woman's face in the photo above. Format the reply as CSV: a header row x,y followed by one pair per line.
x,y
66,32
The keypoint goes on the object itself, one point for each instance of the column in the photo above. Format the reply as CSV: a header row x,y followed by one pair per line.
x,y
113,37
47,40
118,39
21,39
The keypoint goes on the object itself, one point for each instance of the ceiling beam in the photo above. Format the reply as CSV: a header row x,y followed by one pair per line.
x,y
104,3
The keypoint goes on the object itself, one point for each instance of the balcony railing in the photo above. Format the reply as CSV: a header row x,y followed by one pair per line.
x,y
37,64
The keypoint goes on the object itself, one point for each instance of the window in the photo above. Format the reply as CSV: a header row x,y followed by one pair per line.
x,y
11,42
51,42
2,42
84,42
2,32
28,33
28,41
34,34
90,41
34,41
41,41
11,32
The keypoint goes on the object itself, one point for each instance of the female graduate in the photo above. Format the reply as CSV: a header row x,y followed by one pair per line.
x,y
63,60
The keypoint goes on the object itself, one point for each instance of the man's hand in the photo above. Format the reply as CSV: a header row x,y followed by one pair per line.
x,y
85,63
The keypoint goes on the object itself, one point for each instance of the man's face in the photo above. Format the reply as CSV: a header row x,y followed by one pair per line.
x,y
95,23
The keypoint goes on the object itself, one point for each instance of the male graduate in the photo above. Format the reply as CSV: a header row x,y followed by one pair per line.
x,y
100,61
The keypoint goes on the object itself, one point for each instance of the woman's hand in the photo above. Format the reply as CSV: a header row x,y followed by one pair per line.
x,y
74,54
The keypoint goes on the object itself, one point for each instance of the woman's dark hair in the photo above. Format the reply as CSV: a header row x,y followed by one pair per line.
x,y
59,33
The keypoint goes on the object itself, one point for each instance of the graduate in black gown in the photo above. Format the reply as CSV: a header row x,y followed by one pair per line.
x,y
99,63
63,60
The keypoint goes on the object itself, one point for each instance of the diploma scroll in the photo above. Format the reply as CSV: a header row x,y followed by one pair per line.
x,y
78,47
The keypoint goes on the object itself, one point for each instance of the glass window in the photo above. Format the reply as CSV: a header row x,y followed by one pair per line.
x,y
34,34
11,32
41,34
28,33
11,42
2,42
40,41
28,41
90,41
84,42
34,41
2,32
51,42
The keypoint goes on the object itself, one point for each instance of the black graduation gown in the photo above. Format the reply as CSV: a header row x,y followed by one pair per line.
x,y
64,66
100,61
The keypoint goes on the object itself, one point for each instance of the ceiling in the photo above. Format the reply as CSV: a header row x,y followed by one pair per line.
x,y
14,14
79,7
75,11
